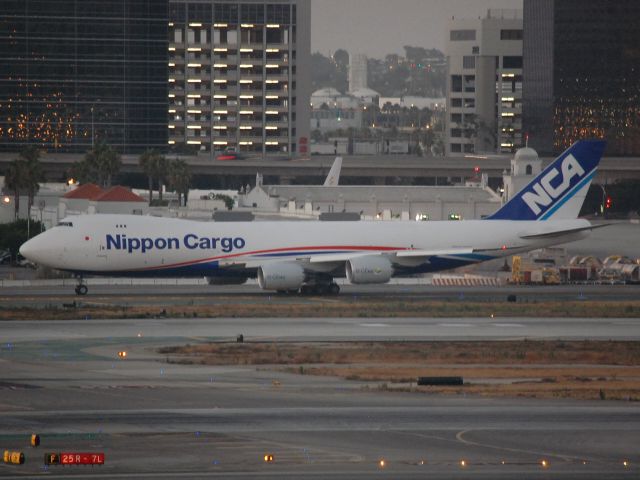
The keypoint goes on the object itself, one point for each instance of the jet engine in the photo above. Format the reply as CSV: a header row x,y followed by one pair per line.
x,y
281,276
371,269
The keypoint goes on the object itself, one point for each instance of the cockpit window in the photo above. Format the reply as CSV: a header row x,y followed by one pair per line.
x,y
65,224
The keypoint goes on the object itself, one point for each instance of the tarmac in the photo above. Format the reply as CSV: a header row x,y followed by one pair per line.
x,y
65,381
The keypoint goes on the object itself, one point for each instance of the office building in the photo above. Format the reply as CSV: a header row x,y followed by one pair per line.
x,y
582,74
484,84
78,71
239,76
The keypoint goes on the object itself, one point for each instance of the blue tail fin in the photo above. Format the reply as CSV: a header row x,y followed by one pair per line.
x,y
559,191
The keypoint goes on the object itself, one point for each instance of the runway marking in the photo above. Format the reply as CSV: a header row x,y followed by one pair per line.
x,y
455,325
374,325
508,325
566,458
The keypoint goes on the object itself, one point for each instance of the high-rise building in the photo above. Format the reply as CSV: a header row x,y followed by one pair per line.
x,y
484,84
582,74
239,75
77,71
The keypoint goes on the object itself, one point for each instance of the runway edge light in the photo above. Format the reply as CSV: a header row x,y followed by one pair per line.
x,y
13,458
35,440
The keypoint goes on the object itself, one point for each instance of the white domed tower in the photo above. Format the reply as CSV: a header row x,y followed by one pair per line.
x,y
525,166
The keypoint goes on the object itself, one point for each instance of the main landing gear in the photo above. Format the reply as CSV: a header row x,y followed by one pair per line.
x,y
314,289
81,288
320,289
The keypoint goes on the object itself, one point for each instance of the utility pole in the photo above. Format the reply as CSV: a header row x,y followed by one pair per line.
x,y
92,130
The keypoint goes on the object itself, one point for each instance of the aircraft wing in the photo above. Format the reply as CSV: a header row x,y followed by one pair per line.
x,y
433,253
559,233
393,256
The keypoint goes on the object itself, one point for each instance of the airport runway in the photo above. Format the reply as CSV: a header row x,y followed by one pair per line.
x,y
64,380
158,295
323,329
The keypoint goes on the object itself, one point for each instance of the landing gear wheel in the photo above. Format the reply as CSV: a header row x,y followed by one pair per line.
x,y
306,290
81,290
334,289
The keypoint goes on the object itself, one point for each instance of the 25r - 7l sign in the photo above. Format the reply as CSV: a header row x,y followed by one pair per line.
x,y
74,458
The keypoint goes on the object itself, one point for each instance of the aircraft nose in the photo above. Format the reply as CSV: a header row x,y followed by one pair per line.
x,y
27,249
33,249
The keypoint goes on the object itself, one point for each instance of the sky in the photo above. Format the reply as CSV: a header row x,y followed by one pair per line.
x,y
379,27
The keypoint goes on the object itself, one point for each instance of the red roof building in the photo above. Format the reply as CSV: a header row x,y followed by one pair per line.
x,y
86,191
119,194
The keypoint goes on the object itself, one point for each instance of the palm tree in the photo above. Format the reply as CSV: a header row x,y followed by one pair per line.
x,y
99,165
162,170
148,162
180,179
33,171
15,182
23,174
109,162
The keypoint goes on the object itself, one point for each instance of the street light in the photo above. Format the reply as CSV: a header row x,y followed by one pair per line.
x,y
604,199
92,132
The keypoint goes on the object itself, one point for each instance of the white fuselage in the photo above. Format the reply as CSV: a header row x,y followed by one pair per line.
x,y
139,245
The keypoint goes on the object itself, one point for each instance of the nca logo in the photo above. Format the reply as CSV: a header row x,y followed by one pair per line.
x,y
544,192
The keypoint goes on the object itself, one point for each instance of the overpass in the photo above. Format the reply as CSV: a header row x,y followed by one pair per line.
x,y
378,169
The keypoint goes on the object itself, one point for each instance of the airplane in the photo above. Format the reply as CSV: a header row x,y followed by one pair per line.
x,y
306,257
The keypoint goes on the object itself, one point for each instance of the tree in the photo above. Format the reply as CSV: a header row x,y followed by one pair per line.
x,y
13,235
162,170
180,179
15,182
326,73
477,129
341,57
24,175
415,54
149,162
31,156
99,165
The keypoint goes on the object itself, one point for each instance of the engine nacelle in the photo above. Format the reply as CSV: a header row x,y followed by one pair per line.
x,y
365,270
280,276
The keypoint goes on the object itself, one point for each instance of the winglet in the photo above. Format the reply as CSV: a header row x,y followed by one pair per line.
x,y
559,191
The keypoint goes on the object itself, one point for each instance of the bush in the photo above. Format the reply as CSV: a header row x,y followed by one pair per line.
x,y
13,235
